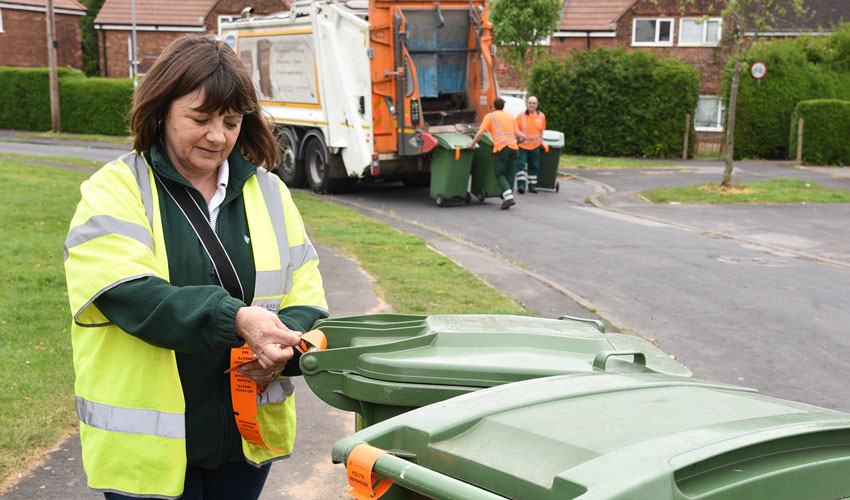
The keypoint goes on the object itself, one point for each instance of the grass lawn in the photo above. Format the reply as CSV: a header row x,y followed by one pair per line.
x,y
595,162
760,192
65,160
36,376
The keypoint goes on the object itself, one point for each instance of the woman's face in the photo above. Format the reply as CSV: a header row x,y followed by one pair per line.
x,y
197,143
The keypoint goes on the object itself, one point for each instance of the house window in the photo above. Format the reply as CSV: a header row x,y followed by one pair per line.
x,y
1,20
709,114
652,32
699,31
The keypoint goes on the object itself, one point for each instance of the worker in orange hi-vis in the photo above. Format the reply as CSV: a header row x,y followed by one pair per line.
x,y
506,135
531,123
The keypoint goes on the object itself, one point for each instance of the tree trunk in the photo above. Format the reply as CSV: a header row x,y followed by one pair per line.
x,y
729,150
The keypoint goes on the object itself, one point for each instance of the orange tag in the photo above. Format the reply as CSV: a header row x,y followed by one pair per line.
x,y
313,338
243,392
457,153
545,147
361,460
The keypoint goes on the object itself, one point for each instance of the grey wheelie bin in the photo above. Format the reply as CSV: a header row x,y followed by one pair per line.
x,y
547,174
604,436
484,183
384,365
451,161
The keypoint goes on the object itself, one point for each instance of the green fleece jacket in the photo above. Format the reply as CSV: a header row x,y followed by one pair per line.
x,y
196,317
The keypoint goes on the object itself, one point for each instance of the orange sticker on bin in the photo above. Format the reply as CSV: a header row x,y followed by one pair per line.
x,y
313,338
545,147
457,153
365,484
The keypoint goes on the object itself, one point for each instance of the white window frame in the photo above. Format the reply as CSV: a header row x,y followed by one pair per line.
x,y
656,43
704,22
719,121
1,20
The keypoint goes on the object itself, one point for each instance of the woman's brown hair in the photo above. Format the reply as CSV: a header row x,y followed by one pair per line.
x,y
202,62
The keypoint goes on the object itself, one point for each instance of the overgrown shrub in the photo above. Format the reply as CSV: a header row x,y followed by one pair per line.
x,y
826,131
810,67
86,105
617,103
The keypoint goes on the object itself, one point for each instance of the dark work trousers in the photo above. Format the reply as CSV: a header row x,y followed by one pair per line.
x,y
232,481
529,160
504,166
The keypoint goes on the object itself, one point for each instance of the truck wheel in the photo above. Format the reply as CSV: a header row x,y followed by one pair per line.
x,y
317,164
288,167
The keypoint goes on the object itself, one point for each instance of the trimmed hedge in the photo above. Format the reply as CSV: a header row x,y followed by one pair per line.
x,y
617,103
826,131
811,67
86,105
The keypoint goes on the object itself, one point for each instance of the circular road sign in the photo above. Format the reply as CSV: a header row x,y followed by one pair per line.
x,y
758,70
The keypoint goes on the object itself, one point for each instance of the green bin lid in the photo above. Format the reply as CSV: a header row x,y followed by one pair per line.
x,y
472,351
451,140
553,138
615,436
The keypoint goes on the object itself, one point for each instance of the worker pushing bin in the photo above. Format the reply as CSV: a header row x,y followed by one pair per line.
x,y
451,161
483,184
547,176
604,436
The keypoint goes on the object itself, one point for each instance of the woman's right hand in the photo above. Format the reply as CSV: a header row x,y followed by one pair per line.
x,y
269,339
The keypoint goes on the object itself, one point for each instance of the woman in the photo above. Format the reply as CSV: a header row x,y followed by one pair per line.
x,y
157,319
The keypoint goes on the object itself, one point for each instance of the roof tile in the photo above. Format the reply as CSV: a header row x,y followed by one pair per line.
x,y
57,4
156,12
595,15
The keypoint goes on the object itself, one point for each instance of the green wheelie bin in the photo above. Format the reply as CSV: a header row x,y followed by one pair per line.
x,y
380,366
484,183
607,436
451,161
547,174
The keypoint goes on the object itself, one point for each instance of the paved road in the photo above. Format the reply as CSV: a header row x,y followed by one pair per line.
x,y
729,308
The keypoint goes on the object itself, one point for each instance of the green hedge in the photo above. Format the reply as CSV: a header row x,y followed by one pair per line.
x,y
86,105
811,67
616,103
826,131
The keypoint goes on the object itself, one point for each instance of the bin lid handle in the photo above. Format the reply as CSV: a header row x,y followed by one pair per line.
x,y
359,467
601,358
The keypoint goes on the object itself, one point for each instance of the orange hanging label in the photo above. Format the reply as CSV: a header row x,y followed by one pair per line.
x,y
457,153
545,147
364,483
243,392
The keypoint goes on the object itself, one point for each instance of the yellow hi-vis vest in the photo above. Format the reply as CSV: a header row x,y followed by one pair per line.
x,y
128,393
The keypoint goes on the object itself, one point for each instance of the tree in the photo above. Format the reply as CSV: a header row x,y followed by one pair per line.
x,y
91,53
740,18
520,27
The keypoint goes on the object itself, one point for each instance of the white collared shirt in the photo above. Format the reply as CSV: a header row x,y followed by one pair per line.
x,y
220,191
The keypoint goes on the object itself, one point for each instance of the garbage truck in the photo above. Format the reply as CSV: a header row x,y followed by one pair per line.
x,y
361,89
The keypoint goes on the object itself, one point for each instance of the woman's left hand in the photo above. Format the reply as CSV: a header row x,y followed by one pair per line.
x,y
260,375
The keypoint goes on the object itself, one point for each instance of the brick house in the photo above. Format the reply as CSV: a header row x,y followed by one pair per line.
x,y
694,35
23,33
158,23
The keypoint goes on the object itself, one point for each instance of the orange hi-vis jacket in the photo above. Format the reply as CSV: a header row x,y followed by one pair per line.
x,y
532,125
502,128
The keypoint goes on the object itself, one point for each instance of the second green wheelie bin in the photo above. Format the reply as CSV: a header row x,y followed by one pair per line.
x,y
384,365
609,436
547,174
483,184
451,161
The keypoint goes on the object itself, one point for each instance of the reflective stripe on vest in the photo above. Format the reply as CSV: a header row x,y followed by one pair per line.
x,y
530,140
131,420
501,138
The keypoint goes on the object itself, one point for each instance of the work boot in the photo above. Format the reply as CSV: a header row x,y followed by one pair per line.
x,y
531,189
522,190
507,204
